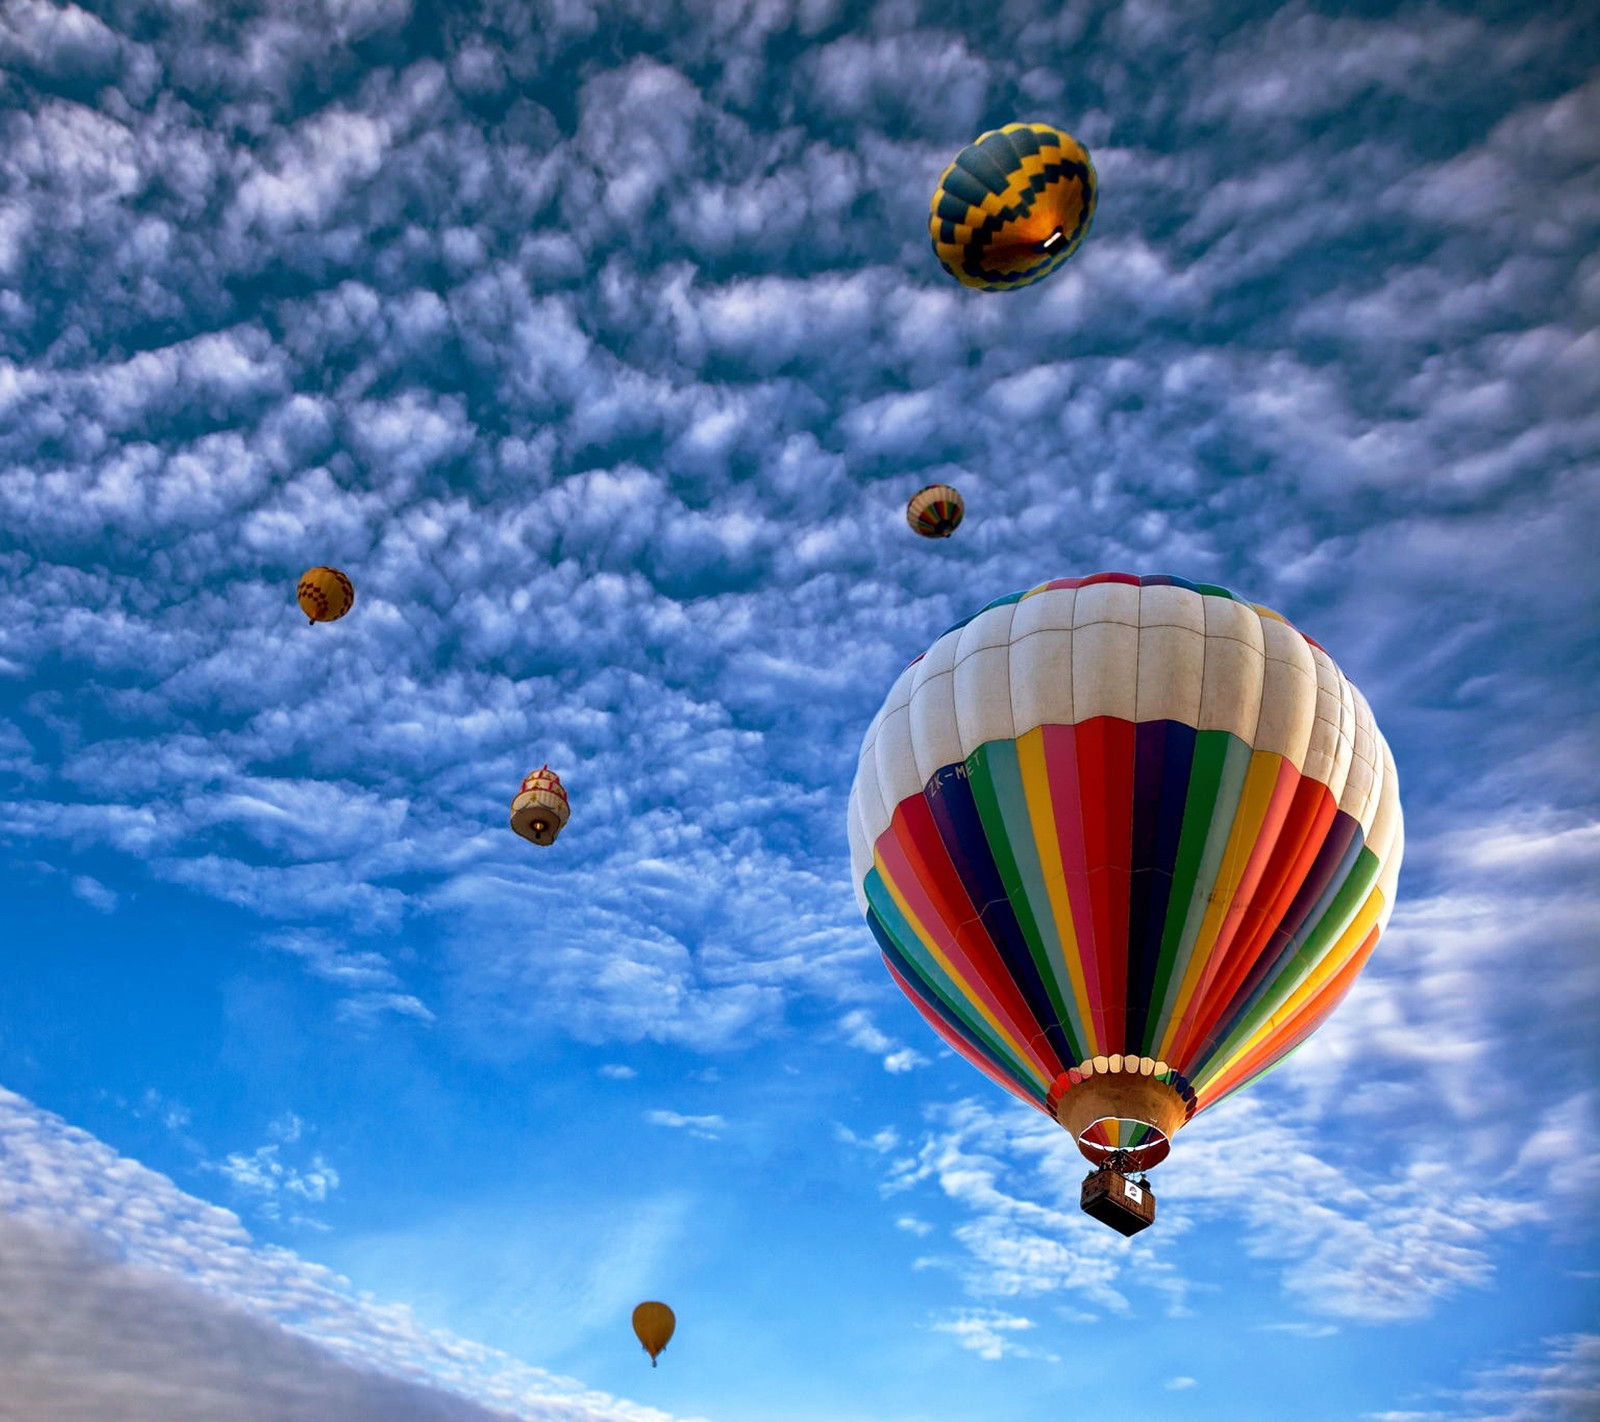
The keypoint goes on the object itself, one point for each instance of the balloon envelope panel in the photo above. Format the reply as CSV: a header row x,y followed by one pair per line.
x,y
1125,816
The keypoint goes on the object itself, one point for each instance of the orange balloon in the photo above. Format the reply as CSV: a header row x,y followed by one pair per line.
x,y
325,594
653,1323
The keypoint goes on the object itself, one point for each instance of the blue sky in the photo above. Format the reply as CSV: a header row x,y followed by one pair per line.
x,y
602,347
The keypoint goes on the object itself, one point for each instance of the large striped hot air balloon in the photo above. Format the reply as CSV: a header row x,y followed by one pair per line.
x,y
1124,843
1012,206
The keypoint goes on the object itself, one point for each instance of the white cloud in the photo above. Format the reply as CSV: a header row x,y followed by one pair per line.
x,y
61,40
287,1128
94,893
1299,1328
638,128
883,79
174,1115
277,1186
369,985
1559,1384
880,1142
861,1031
617,1071
992,1335
706,1128
1562,1385
1302,64
1360,1240
265,1176
164,1351
1015,1246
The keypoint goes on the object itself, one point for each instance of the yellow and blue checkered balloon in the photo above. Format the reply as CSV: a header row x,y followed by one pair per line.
x,y
1012,207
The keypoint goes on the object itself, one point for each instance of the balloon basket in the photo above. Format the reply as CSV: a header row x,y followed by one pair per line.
x,y
1112,1198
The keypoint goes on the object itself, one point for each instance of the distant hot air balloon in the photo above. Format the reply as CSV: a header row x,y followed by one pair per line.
x,y
653,1324
325,594
540,810
1012,207
1125,842
936,511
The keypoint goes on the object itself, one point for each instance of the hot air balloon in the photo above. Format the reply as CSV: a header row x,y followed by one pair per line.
x,y
1125,842
325,594
653,1324
1012,207
540,810
936,511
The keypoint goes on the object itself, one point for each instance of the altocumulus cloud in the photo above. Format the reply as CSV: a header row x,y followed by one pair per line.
x,y
125,1296
1558,1383
606,377
82,1335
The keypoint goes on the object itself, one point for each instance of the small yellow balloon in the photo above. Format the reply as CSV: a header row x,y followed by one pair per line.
x,y
653,1323
325,594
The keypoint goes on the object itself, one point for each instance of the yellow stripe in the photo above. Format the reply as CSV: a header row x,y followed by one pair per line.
x,y
1334,959
1344,949
1017,180
1041,814
1030,1064
1254,798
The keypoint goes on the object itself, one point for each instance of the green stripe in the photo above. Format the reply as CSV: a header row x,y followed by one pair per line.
x,y
1341,913
1003,601
994,771
937,983
1216,780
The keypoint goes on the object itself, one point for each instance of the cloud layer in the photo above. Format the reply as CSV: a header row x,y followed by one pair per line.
x,y
605,377
125,1294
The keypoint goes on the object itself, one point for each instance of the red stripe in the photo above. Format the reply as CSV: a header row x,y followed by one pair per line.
x,y
1304,829
1131,579
1312,1014
1237,922
919,866
1105,778
1061,769
958,1044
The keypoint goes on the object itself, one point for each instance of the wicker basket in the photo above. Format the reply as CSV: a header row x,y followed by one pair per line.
x,y
1113,1199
